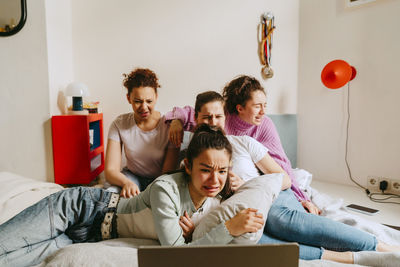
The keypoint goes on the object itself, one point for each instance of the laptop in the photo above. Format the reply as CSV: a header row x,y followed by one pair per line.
x,y
218,256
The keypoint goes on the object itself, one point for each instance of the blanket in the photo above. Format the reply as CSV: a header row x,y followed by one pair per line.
x,y
335,209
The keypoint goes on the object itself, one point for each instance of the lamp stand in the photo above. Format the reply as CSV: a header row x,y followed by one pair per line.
x,y
77,103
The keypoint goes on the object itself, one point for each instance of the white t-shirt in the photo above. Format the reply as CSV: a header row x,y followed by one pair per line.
x,y
246,152
144,150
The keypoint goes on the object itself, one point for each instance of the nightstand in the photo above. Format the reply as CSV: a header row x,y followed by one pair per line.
x,y
78,148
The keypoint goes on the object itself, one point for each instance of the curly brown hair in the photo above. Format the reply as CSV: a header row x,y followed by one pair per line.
x,y
140,77
238,92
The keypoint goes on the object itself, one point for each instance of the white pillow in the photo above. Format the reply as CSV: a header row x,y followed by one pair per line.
x,y
91,254
18,192
258,193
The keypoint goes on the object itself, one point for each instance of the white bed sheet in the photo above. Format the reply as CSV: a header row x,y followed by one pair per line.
x,y
335,209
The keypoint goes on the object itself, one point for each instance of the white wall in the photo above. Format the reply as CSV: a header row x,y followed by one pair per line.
x,y
25,135
59,49
193,46
367,37
196,46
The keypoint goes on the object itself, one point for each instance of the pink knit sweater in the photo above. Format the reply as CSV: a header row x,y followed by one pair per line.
x,y
265,133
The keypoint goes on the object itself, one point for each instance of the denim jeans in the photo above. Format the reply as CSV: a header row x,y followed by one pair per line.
x,y
287,220
68,216
141,182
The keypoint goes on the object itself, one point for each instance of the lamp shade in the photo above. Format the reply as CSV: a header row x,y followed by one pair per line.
x,y
77,89
337,73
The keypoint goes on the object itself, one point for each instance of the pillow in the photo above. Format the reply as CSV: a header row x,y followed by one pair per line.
x,y
113,252
257,193
18,192
91,254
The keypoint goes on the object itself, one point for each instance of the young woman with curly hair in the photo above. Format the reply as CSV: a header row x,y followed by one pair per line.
x,y
142,134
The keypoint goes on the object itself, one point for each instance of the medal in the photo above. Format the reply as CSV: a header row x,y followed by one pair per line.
x,y
266,27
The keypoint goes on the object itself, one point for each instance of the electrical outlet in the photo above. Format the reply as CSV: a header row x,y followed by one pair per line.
x,y
373,183
394,186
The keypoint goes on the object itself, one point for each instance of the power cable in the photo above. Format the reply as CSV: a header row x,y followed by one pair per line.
x,y
369,194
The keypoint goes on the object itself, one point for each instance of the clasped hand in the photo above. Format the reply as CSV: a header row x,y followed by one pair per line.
x,y
245,221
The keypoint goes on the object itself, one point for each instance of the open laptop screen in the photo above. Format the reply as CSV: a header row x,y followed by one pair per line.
x,y
218,256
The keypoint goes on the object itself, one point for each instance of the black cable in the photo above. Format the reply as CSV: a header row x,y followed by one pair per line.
x,y
371,196
347,141
384,200
387,196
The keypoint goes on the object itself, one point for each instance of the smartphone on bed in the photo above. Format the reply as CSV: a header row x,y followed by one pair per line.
x,y
362,209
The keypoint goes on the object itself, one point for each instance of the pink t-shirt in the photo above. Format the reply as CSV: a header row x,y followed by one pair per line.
x,y
144,150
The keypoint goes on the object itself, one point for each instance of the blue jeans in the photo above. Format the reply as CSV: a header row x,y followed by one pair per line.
x,y
68,216
288,221
141,182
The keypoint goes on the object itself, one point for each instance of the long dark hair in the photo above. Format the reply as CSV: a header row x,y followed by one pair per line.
x,y
238,92
209,137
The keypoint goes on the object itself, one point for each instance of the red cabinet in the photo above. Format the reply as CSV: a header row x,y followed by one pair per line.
x,y
78,148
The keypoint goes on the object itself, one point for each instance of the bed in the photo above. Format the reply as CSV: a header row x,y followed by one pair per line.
x,y
17,192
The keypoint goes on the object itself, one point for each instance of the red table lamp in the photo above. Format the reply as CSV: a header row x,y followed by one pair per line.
x,y
337,73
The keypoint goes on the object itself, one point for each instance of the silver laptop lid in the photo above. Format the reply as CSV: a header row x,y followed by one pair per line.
x,y
219,256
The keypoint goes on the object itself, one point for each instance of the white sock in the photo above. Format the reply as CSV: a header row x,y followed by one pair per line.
x,y
378,259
